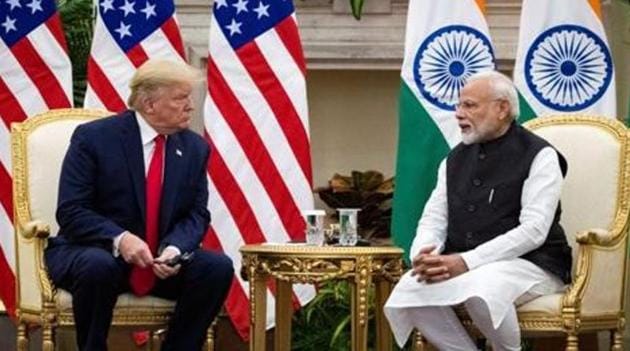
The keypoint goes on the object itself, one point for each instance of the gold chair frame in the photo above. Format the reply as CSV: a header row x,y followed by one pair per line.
x,y
570,322
31,235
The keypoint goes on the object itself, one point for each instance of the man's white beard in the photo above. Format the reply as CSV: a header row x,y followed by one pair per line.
x,y
471,137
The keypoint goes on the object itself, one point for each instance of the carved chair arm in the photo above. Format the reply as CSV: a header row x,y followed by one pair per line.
x,y
599,253
35,229
33,239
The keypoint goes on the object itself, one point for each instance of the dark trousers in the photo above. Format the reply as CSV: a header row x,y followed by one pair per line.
x,y
95,279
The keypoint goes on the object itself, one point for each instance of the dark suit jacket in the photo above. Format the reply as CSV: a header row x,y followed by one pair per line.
x,y
102,186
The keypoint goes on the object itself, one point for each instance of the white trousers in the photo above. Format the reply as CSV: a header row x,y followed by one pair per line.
x,y
441,327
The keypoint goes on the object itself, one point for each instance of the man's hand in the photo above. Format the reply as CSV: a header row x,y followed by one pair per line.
x,y
434,268
161,269
135,251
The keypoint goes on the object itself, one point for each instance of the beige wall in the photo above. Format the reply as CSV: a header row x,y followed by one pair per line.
x,y
617,20
353,121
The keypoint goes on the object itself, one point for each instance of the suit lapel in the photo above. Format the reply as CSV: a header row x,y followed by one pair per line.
x,y
132,142
173,169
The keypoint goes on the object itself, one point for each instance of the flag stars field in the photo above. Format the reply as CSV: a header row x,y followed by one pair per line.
x,y
107,5
241,6
124,30
14,4
149,10
9,24
128,8
261,10
234,27
35,5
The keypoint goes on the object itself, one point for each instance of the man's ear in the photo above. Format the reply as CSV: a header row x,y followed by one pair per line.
x,y
148,104
504,107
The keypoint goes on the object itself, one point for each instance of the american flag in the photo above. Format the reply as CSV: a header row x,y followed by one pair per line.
x,y
35,76
126,34
256,121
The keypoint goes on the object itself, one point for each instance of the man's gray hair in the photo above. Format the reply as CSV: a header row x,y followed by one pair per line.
x,y
155,74
502,88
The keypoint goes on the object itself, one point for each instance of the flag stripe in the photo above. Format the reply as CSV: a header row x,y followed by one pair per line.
x,y
171,31
137,56
101,86
288,73
40,74
234,199
5,148
277,98
7,288
256,152
237,303
226,143
56,29
153,46
56,57
19,84
6,193
230,244
288,33
11,110
482,5
257,108
596,5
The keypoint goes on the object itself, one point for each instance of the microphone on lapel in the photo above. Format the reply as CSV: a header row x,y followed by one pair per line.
x,y
178,152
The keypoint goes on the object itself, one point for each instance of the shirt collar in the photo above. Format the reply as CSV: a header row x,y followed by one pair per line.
x,y
147,133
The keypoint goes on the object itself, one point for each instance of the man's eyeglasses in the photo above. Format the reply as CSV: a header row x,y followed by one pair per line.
x,y
472,105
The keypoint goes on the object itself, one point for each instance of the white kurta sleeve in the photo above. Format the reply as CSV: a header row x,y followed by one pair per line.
x,y
539,200
432,225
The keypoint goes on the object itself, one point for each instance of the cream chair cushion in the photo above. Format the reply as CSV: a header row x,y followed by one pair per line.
x,y
125,301
589,200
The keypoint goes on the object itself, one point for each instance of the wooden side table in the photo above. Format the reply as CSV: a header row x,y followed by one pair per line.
x,y
288,264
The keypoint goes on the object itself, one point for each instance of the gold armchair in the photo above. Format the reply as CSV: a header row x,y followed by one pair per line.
x,y
38,147
595,218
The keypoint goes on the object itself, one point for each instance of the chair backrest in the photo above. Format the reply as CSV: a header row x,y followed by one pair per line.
x,y
39,145
595,192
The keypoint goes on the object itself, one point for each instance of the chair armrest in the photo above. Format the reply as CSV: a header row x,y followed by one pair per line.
x,y
600,262
34,286
34,229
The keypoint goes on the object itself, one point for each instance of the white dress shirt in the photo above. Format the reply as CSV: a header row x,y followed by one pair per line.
x,y
539,199
147,137
496,273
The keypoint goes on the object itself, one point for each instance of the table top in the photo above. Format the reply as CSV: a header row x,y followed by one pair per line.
x,y
319,251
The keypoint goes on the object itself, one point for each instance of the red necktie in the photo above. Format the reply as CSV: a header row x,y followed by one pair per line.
x,y
143,279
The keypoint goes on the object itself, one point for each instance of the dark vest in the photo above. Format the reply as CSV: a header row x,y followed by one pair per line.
x,y
484,186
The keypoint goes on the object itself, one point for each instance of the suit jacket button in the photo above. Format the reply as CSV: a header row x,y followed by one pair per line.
x,y
469,235
471,208
476,182
482,156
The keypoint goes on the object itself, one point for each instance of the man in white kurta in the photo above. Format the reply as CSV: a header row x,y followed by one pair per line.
x,y
489,277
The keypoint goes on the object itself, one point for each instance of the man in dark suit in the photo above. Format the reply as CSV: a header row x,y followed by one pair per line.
x,y
133,196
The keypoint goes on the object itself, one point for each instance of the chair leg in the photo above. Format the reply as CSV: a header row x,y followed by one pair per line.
x,y
419,342
48,337
617,340
22,337
572,342
210,336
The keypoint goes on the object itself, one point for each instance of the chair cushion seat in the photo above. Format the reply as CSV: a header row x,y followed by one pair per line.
x,y
549,304
64,301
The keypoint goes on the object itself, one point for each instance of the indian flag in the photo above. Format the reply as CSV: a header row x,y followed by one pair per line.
x,y
563,63
446,42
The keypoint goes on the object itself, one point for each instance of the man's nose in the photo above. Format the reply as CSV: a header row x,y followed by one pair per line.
x,y
459,112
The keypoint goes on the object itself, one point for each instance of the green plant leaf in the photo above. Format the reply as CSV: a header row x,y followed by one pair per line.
x,y
357,7
339,330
